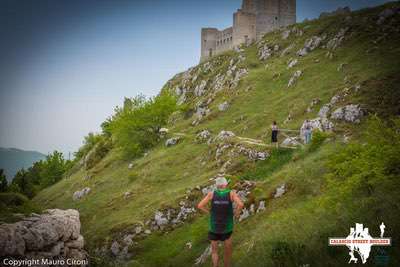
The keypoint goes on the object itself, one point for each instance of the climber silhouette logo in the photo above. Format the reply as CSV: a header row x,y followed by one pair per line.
x,y
359,240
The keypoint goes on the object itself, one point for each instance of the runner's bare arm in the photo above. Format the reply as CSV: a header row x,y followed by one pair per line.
x,y
203,203
239,204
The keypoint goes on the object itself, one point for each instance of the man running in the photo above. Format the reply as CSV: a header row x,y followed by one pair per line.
x,y
221,219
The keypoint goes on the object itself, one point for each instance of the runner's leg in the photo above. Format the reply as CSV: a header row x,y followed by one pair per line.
x,y
228,252
214,253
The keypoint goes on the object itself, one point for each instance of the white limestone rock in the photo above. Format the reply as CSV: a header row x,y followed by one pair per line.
x,y
172,141
223,106
224,135
81,193
350,113
292,63
294,78
280,191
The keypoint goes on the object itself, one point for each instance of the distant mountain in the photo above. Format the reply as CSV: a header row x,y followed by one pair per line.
x,y
13,159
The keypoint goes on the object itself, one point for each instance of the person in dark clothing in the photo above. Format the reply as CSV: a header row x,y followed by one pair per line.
x,y
221,218
274,135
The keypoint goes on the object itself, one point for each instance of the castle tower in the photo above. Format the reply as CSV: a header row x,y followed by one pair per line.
x,y
250,23
249,6
208,42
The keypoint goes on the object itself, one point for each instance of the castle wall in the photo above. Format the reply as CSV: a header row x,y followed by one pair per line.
x,y
224,40
244,28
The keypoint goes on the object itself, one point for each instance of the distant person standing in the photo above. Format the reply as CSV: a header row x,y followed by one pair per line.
x,y
307,132
274,135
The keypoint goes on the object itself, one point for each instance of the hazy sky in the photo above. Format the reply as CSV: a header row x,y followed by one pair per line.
x,y
65,64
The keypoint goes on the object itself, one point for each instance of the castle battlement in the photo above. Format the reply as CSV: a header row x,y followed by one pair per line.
x,y
250,23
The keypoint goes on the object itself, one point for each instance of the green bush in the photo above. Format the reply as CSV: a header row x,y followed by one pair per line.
x,y
13,199
135,126
42,174
317,140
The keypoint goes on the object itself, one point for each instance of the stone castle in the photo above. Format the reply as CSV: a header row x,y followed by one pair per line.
x,y
250,23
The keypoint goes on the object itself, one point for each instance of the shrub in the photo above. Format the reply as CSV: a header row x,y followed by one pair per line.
x,y
317,140
135,126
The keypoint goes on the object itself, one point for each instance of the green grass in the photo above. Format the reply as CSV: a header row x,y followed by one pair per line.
x,y
263,169
294,229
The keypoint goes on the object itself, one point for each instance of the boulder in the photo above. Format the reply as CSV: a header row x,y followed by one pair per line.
x,y
280,191
172,141
261,206
81,193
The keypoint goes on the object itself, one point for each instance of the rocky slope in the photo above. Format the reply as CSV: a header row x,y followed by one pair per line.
x,y
142,212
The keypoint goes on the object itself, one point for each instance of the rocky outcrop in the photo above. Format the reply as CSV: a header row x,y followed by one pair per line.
x,y
310,45
53,235
350,113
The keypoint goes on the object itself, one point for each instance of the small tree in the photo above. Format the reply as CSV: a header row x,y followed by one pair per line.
x,y
135,126
3,181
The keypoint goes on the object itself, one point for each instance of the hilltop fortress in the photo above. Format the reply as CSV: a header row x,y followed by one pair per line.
x,y
250,23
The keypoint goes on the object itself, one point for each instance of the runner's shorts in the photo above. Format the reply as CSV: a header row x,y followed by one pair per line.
x,y
219,237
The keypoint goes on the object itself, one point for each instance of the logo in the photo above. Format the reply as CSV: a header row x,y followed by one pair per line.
x,y
359,240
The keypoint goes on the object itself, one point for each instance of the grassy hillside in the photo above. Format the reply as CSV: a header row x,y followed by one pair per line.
x,y
331,183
